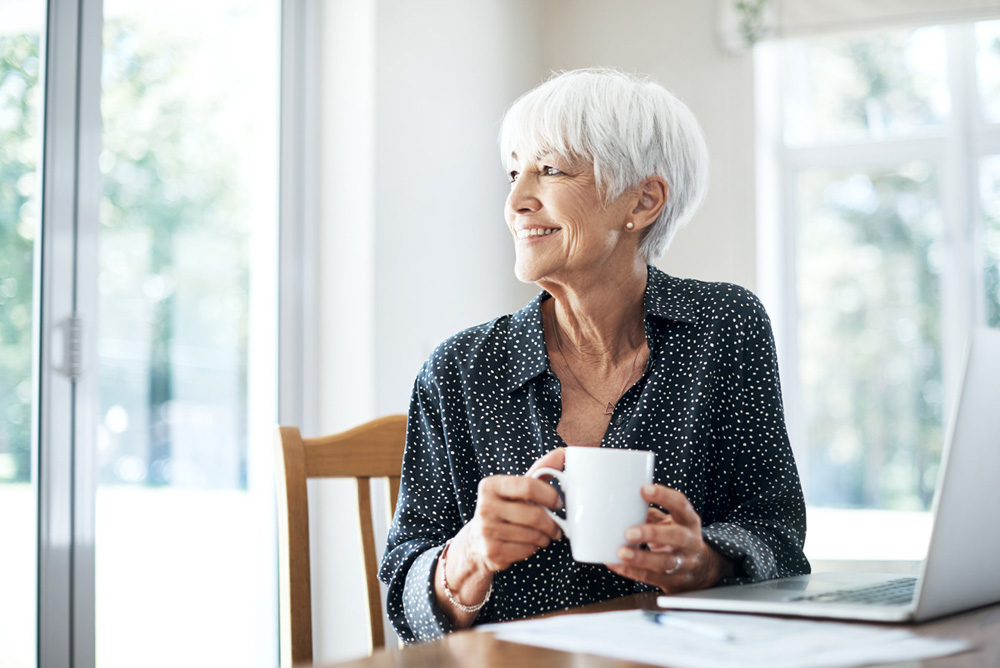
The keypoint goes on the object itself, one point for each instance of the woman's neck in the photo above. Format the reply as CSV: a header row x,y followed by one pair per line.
x,y
600,315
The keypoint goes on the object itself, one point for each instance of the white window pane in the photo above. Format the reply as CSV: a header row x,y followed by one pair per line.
x,y
21,28
890,84
988,68
989,183
868,266
189,164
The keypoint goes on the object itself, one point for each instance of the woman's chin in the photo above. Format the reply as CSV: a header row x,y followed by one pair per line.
x,y
523,275
528,271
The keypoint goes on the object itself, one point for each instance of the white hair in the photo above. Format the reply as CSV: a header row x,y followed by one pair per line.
x,y
629,127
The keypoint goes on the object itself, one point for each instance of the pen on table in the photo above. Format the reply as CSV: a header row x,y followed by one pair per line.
x,y
667,619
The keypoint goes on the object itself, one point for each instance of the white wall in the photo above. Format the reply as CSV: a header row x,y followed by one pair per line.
x,y
444,260
413,246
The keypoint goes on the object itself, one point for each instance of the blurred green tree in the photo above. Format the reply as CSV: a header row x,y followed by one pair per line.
x,y
871,312
164,173
20,149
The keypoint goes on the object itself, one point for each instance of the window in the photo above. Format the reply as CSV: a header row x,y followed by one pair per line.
x,y
884,155
139,180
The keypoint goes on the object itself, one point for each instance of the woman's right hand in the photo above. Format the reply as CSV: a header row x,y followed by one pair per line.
x,y
510,524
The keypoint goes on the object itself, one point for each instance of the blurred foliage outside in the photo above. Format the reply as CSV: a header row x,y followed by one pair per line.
x,y
849,89
173,266
174,272
869,335
988,69
20,151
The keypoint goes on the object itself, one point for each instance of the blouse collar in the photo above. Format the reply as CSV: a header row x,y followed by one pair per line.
x,y
664,299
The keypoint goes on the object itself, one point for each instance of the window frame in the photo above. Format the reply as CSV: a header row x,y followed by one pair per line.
x,y
68,236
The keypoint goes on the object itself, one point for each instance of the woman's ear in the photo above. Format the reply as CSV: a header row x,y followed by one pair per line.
x,y
652,196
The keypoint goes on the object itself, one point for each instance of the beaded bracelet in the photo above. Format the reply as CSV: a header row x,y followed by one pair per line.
x,y
447,590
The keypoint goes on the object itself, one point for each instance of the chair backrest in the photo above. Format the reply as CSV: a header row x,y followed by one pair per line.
x,y
371,450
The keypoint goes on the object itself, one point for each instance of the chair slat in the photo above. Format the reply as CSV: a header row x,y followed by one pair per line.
x,y
371,571
393,494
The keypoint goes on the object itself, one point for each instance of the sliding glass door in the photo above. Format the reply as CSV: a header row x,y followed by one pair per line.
x,y
139,190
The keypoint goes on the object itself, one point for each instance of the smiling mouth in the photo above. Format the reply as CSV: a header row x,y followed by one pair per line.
x,y
536,232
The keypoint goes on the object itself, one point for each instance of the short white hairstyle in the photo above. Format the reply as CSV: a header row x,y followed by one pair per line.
x,y
629,127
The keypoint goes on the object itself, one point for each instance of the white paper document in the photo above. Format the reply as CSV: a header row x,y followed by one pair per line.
x,y
711,640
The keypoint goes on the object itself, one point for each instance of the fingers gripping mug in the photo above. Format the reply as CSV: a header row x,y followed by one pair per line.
x,y
602,489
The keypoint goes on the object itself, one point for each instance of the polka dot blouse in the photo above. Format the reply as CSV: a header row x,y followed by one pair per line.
x,y
708,404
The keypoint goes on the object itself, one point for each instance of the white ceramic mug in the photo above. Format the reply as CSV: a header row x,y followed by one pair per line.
x,y
602,489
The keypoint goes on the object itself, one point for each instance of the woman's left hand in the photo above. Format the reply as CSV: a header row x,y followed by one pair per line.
x,y
678,558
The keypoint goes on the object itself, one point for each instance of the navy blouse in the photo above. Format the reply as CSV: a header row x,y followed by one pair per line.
x,y
708,404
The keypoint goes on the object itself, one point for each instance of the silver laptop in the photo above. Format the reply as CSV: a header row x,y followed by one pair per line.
x,y
960,571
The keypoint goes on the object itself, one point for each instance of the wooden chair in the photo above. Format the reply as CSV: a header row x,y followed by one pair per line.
x,y
371,450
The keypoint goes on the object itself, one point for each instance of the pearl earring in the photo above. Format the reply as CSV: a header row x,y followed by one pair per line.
x,y
629,225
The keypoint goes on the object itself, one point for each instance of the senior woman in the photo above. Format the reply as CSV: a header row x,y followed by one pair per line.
x,y
604,168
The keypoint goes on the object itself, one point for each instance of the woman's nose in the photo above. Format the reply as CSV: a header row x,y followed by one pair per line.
x,y
523,197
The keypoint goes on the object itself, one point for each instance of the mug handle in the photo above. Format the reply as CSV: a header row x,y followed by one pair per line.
x,y
558,475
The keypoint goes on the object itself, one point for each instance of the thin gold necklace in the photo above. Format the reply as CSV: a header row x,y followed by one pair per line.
x,y
610,408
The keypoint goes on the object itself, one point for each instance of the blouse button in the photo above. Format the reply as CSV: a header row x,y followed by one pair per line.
x,y
618,421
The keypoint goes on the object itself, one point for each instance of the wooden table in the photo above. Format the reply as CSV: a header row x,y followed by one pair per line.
x,y
471,649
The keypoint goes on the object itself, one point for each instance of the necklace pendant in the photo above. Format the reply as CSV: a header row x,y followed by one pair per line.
x,y
610,409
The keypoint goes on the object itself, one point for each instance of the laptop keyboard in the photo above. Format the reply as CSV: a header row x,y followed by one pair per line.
x,y
893,592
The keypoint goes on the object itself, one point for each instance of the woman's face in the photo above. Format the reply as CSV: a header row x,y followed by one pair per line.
x,y
561,228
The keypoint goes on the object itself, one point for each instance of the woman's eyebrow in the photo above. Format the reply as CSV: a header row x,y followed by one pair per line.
x,y
539,155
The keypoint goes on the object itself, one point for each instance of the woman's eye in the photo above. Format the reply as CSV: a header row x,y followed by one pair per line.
x,y
549,170
513,176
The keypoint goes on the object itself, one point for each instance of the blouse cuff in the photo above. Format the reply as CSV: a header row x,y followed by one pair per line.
x,y
424,617
753,559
